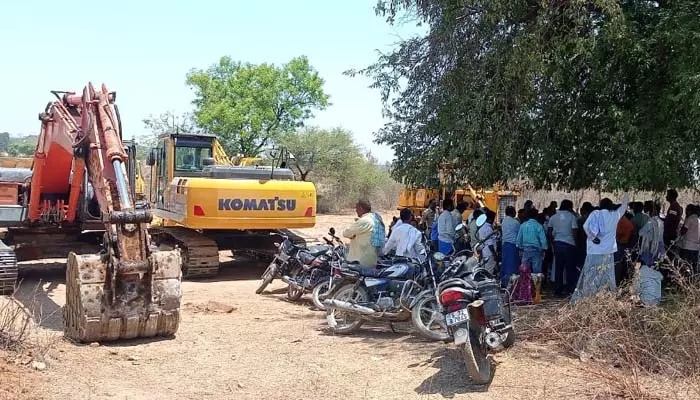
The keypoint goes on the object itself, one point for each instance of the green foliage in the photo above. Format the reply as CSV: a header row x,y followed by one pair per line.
x,y
327,152
336,164
574,94
160,124
4,141
22,146
248,105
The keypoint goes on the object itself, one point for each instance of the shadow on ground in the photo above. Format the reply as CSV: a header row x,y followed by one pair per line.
x,y
450,379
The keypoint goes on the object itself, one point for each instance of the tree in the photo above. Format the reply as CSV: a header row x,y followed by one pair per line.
x,y
167,122
4,141
248,105
595,93
327,152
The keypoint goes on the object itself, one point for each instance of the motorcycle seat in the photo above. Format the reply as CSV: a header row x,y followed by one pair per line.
x,y
318,249
365,271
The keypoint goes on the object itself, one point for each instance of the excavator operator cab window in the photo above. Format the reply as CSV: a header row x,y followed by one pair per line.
x,y
191,159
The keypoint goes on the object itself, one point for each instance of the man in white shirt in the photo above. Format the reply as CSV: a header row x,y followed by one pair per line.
x,y
598,272
690,237
489,249
405,240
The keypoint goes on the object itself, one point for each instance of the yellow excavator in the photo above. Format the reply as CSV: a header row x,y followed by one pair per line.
x,y
496,198
207,204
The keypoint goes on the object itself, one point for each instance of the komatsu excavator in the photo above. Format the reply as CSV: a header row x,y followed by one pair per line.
x,y
128,290
209,204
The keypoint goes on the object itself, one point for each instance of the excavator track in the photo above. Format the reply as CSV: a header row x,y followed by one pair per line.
x,y
8,270
154,310
200,254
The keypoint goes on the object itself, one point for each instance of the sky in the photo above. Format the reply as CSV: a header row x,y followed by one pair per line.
x,y
143,50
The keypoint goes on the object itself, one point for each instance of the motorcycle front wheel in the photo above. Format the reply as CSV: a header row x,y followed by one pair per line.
x,y
267,277
476,358
321,288
294,293
341,321
428,319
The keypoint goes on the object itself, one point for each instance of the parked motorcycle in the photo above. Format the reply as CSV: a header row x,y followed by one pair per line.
x,y
426,310
290,259
477,314
359,294
315,273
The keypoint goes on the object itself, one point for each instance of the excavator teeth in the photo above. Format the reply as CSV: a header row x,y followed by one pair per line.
x,y
154,310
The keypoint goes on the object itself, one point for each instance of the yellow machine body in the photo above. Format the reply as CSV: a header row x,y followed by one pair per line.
x,y
244,197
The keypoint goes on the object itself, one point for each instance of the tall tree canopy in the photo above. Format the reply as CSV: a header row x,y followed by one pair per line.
x,y
579,93
247,105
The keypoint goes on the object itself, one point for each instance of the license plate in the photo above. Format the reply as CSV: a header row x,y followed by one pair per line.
x,y
456,317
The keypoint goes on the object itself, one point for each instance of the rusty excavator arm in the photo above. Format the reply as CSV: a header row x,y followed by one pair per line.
x,y
128,290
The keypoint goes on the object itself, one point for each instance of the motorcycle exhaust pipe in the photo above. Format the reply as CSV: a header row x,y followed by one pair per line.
x,y
346,306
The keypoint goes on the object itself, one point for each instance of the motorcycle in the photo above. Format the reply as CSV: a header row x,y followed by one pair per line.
x,y
314,274
290,259
477,313
358,294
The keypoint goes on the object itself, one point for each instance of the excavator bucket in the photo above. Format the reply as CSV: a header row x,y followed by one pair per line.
x,y
148,306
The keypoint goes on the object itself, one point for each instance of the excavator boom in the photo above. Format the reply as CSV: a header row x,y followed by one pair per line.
x,y
128,290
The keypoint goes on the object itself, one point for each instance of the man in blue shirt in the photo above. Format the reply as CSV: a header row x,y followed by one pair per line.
x,y
511,259
533,242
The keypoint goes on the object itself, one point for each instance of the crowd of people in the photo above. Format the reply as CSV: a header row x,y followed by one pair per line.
x,y
580,251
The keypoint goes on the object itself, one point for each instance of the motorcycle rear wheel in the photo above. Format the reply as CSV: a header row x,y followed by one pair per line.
x,y
351,321
267,277
427,306
479,366
320,289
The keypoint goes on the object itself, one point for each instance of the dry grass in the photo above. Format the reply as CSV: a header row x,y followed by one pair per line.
x,y
630,345
14,326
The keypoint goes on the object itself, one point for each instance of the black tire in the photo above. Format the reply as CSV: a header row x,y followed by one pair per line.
x,y
294,293
420,310
510,338
319,289
267,277
476,358
354,322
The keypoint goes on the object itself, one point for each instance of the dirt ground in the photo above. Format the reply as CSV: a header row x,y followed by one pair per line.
x,y
233,344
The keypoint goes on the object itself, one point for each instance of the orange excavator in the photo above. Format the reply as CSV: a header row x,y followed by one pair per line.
x,y
79,180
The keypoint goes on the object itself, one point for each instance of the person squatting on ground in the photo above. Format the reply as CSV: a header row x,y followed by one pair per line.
x,y
599,271
405,240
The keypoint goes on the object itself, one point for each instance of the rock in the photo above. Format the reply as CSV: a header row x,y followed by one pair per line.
x,y
132,358
113,352
94,344
38,365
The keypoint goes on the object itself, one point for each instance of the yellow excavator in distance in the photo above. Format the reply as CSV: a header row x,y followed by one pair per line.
x,y
207,204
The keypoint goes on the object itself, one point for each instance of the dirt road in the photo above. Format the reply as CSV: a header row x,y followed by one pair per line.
x,y
233,344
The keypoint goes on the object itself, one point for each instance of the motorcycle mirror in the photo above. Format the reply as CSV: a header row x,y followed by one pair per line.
x,y
481,220
438,256
459,227
332,231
